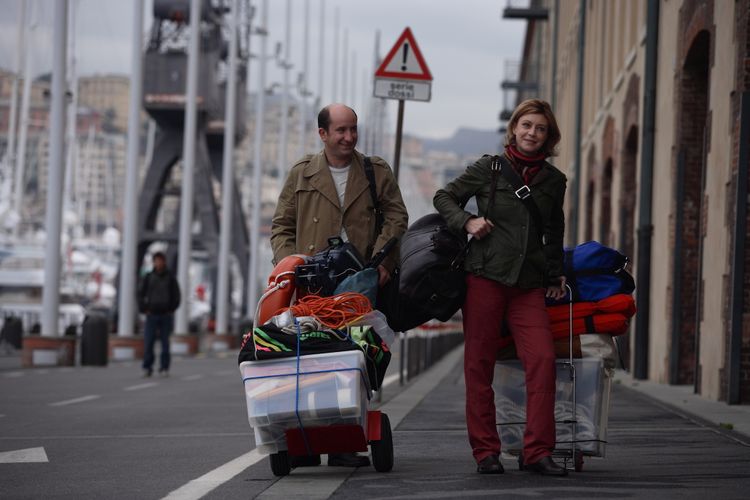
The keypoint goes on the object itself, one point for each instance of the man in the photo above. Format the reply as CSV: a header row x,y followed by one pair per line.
x,y
158,299
328,194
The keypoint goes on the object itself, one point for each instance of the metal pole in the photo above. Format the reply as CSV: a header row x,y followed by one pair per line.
x,y
345,68
399,128
252,291
227,178
574,195
321,51
286,66
10,152
23,126
353,83
645,224
303,83
188,169
72,113
128,265
335,88
53,217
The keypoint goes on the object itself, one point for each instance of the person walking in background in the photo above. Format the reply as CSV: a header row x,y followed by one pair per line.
x,y
511,265
158,298
328,194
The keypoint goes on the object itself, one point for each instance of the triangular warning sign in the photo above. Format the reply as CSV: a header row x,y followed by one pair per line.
x,y
404,61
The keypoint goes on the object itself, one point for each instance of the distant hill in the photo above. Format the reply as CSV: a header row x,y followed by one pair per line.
x,y
466,141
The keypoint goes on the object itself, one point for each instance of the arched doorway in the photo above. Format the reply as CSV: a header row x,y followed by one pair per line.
x,y
687,300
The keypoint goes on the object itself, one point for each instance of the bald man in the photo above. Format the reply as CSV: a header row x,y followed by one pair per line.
x,y
328,194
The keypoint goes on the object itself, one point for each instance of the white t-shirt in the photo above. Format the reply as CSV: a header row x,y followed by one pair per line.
x,y
340,176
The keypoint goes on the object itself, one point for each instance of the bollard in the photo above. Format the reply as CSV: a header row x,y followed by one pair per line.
x,y
94,341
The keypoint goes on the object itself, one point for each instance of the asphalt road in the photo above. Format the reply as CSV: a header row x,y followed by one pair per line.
x,y
108,433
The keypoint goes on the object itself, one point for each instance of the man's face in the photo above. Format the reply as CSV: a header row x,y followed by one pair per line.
x,y
341,137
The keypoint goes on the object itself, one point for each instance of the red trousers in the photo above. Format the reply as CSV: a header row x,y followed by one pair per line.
x,y
487,302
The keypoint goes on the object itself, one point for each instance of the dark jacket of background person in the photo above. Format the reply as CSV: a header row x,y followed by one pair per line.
x,y
159,293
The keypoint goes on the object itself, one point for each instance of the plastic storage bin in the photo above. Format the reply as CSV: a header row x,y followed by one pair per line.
x,y
593,384
332,391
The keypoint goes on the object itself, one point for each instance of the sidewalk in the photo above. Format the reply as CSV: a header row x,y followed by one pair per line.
x,y
682,399
654,449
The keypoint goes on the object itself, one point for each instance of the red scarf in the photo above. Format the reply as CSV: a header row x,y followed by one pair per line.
x,y
525,166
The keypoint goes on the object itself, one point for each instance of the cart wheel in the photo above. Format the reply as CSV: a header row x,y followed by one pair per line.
x,y
520,462
280,465
382,450
578,461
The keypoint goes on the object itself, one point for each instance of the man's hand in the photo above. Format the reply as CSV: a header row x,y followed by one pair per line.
x,y
383,276
478,227
557,292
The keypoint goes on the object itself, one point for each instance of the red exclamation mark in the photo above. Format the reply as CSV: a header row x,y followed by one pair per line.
x,y
405,53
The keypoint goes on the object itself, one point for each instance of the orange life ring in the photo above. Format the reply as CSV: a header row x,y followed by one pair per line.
x,y
280,289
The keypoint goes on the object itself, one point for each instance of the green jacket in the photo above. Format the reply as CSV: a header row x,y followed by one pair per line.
x,y
511,253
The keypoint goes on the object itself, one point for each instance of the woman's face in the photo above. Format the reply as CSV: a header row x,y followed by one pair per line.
x,y
530,133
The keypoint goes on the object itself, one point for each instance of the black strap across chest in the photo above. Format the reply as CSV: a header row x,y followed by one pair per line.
x,y
523,192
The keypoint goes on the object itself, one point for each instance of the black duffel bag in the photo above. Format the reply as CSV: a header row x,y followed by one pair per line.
x,y
431,281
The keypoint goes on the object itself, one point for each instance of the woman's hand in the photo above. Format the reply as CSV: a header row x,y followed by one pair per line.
x,y
478,227
557,292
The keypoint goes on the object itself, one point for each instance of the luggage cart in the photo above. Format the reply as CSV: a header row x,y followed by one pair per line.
x,y
581,427
314,404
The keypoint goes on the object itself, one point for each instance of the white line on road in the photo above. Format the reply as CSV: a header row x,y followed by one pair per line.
x,y
197,376
29,455
140,386
397,409
13,374
73,401
202,486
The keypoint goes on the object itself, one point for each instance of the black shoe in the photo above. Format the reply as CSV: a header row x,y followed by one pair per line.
x,y
546,467
304,461
147,372
490,465
348,460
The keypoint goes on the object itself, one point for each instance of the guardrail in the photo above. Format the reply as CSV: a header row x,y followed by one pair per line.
x,y
422,347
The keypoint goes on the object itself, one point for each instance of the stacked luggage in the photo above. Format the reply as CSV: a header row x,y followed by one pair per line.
x,y
309,367
598,306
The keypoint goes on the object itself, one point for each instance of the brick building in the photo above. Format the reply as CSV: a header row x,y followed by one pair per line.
x,y
656,153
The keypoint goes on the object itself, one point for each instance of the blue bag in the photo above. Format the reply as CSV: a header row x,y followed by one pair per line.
x,y
595,272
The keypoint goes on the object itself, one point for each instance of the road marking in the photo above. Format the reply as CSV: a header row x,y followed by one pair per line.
x,y
82,399
140,386
202,486
193,377
2,415
13,374
389,380
312,483
130,436
28,455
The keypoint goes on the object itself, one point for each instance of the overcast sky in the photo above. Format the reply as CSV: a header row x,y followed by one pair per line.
x,y
465,44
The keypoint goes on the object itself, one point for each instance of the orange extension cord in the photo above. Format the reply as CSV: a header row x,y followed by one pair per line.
x,y
333,312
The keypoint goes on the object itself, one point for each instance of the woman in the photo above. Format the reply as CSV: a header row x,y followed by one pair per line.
x,y
512,265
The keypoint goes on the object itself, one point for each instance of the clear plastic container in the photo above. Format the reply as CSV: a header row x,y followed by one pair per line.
x,y
332,390
593,384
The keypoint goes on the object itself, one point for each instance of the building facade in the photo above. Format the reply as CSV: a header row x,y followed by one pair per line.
x,y
649,96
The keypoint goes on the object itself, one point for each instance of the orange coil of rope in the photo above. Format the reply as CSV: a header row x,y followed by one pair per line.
x,y
333,312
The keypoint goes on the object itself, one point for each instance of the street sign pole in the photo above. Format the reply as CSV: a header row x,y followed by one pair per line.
x,y
399,128
403,75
